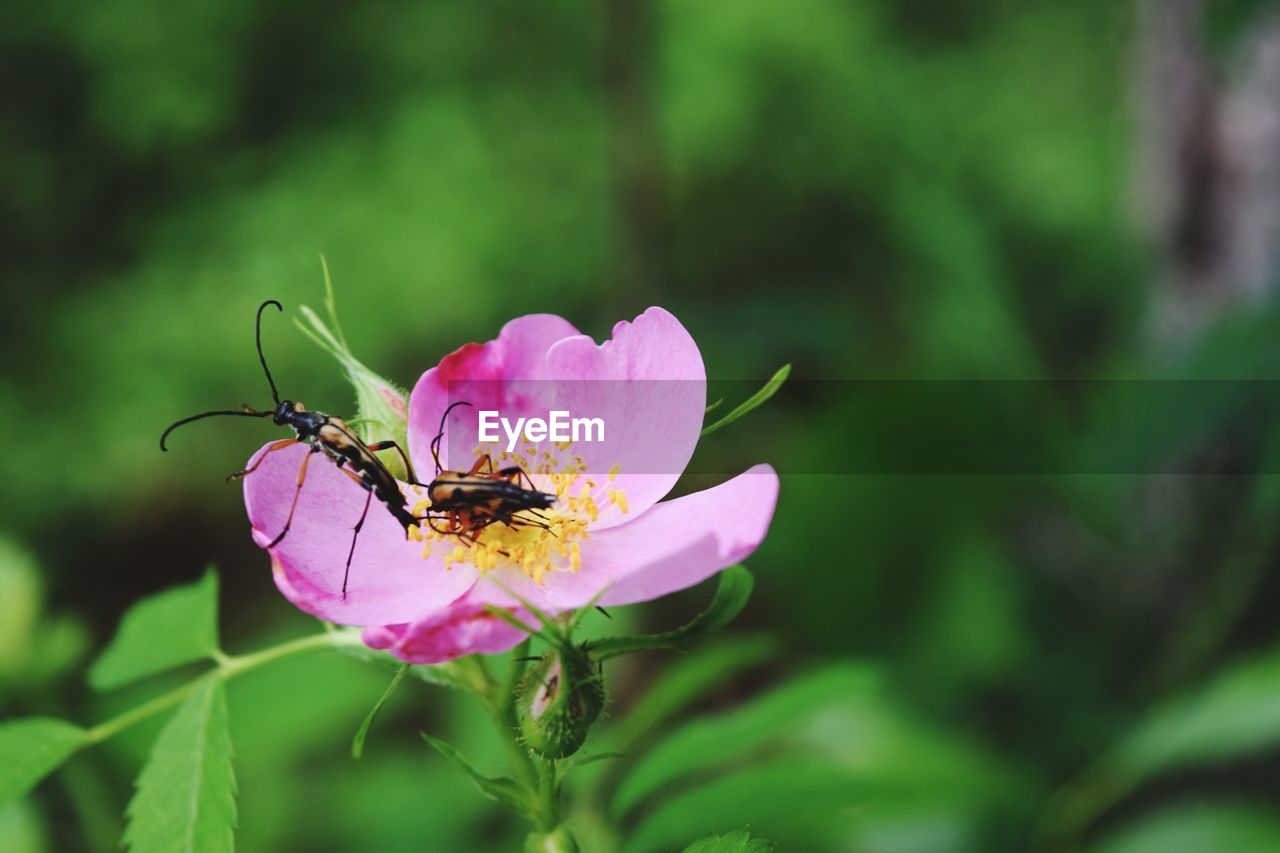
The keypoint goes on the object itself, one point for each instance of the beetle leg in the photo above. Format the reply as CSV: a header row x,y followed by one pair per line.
x,y
356,478
302,475
431,519
354,536
484,460
408,466
517,521
519,476
271,448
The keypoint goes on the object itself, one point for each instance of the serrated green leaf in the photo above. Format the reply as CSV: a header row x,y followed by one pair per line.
x,y
733,842
1198,827
499,788
732,592
753,402
185,802
169,629
357,744
31,749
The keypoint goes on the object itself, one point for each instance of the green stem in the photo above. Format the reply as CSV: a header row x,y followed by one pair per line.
x,y
115,725
501,704
548,796
228,666
328,640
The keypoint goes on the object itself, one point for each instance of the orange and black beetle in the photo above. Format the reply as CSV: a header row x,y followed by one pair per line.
x,y
468,502
330,436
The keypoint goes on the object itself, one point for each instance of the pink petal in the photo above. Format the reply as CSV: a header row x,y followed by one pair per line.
x,y
649,385
519,352
390,582
462,628
674,545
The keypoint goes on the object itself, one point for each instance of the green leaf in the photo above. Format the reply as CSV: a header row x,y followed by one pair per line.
x,y
174,627
842,716
31,749
22,828
498,788
753,402
687,679
705,742
731,596
1197,827
734,842
357,745
1236,714
186,792
805,804
582,759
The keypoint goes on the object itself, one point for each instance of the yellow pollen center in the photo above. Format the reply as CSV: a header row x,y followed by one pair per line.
x,y
534,550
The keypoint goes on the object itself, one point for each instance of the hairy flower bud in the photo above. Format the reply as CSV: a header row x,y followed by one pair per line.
x,y
560,698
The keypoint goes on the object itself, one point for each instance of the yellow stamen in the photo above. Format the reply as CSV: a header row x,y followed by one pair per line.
x,y
533,549
617,497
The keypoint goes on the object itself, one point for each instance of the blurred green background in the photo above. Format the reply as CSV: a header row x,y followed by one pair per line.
x,y
896,189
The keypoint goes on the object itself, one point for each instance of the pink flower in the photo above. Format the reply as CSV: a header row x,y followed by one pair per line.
x,y
424,598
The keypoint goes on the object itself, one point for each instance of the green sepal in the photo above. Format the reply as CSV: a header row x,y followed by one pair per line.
x,y
499,788
731,596
516,622
755,401
357,743
599,756
453,674
381,406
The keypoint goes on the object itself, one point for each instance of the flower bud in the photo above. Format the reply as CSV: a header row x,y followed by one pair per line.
x,y
557,841
560,698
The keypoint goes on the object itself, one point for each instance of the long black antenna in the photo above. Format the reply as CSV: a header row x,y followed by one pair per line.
x,y
435,442
246,412
262,358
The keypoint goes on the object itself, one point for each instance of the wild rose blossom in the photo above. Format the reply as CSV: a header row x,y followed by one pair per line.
x,y
614,543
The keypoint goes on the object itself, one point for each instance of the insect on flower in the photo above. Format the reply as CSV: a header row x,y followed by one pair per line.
x,y
470,501
328,435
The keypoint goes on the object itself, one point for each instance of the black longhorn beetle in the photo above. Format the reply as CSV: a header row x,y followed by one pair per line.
x,y
330,436
469,502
